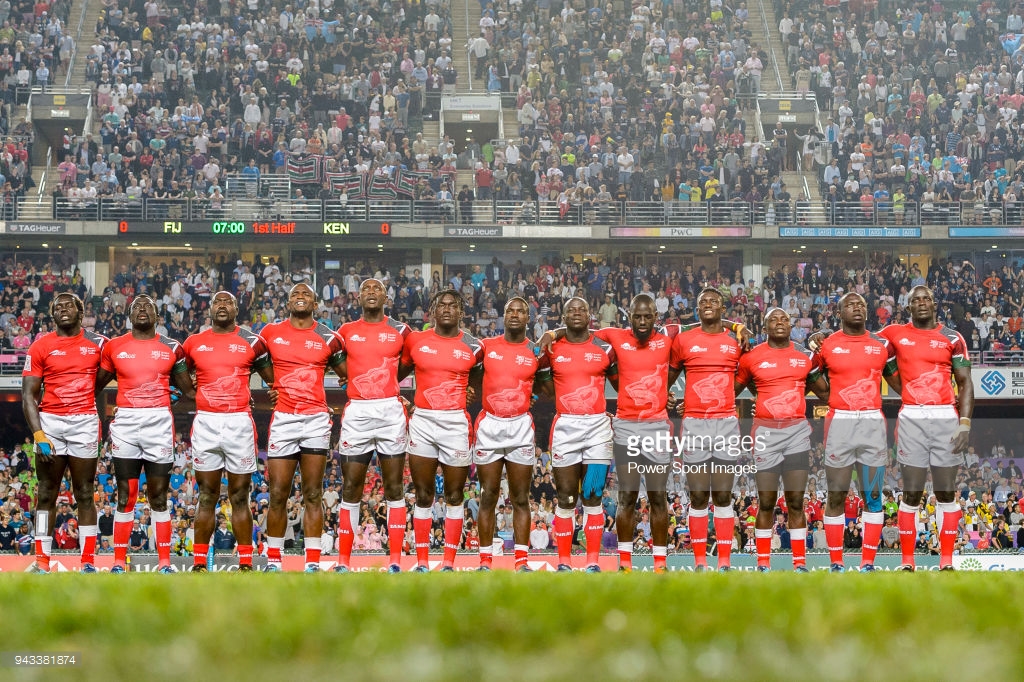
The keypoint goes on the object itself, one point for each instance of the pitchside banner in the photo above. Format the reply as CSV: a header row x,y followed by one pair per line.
x,y
147,563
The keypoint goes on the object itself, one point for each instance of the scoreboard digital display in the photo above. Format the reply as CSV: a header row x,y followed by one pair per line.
x,y
254,228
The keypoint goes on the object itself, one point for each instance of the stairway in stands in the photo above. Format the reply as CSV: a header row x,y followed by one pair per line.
x,y
465,17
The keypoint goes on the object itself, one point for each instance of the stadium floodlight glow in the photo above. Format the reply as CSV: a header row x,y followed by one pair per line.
x,y
472,246
662,246
135,243
380,246
45,245
993,246
855,246
802,246
187,244
715,246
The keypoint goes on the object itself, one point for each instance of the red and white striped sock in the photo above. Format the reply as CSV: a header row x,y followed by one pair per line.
x,y
660,557
453,519
593,530
396,529
906,519
834,527
313,548
87,536
873,522
950,513
697,520
562,527
725,524
522,555
421,522
245,555
626,555
348,518
162,525
122,532
486,555
763,543
274,548
798,541
199,552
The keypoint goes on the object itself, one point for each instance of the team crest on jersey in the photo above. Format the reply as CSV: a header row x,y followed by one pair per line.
x,y
159,355
524,359
657,344
237,348
937,344
797,362
87,350
592,357
384,337
314,345
872,350
461,354
698,349
726,349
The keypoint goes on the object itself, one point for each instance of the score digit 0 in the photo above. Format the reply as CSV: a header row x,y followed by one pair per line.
x,y
122,226
385,228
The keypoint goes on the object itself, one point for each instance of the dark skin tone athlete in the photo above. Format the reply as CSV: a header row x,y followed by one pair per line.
x,y
142,314
223,313
50,468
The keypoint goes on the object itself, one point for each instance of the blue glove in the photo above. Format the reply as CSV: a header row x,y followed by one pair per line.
x,y
594,480
175,394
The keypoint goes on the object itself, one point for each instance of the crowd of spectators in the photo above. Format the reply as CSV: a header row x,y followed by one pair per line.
x,y
990,486
922,103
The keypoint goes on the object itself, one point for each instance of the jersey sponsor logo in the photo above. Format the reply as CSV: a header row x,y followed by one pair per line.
x,y
58,352
562,358
125,355
767,365
839,350
698,349
159,355
204,349
907,342
384,337
627,346
313,345
282,342
494,356
428,350
87,350
356,337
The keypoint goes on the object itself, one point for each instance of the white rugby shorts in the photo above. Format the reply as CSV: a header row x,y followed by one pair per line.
x,y
224,440
774,441
577,438
368,425
72,435
855,437
924,436
510,438
290,433
145,433
444,435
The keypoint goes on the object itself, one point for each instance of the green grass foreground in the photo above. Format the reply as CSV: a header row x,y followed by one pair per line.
x,y
504,626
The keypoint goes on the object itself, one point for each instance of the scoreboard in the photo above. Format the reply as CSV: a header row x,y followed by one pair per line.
x,y
253,228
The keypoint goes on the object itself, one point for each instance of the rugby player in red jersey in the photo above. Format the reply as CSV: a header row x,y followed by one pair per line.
x,y
223,432
854,361
440,431
934,423
301,350
142,433
709,355
581,433
59,401
504,429
778,372
374,420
